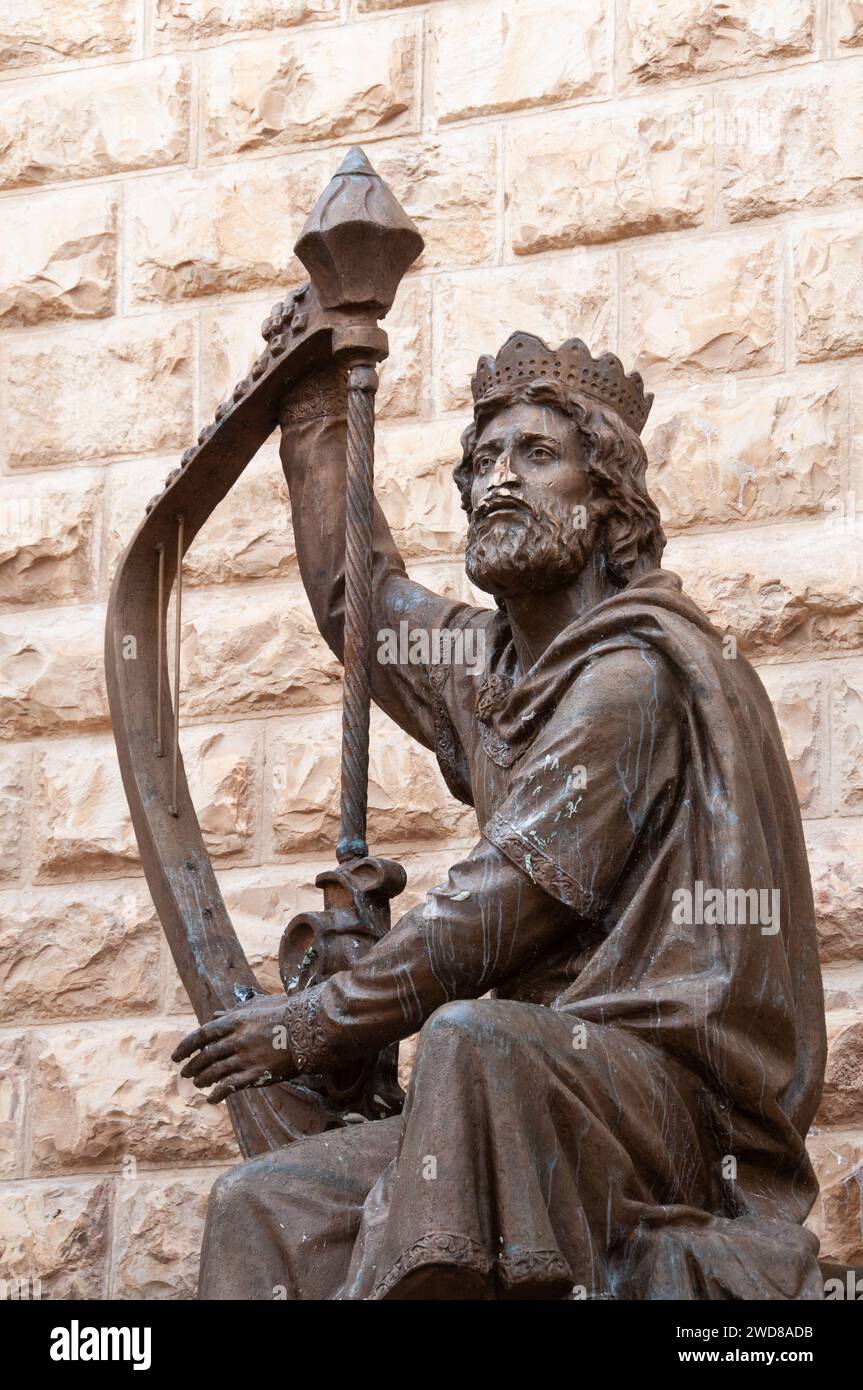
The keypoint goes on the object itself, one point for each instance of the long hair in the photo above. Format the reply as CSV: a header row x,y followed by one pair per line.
x,y
616,460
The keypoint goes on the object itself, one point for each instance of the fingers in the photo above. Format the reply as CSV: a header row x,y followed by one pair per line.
x,y
207,1056
230,1066
231,1084
216,1028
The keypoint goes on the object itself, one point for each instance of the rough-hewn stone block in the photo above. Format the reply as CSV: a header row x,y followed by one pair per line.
x,y
838,1215
14,783
58,257
351,81
828,303
159,1223
220,231
847,710
405,376
842,1097
579,177
47,539
699,307
791,145
37,32
118,388
848,22
799,698
59,1234
248,536
110,1097
796,592
684,38
97,121
83,825
231,340
179,21
223,767
13,1093
843,984
854,499
374,6
75,953
261,652
753,452
496,57
834,849
52,672
414,484
478,309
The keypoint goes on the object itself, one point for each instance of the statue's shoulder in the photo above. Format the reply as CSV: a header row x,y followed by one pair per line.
x,y
627,674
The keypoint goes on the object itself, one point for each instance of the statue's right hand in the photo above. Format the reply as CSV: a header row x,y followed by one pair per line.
x,y
238,1048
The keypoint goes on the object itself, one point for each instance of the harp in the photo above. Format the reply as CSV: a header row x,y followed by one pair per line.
x,y
356,245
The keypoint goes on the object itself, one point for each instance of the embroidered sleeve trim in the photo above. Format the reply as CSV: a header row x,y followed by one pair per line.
x,y
309,1044
539,866
448,748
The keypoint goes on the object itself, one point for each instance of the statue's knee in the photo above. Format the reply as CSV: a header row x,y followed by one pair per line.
x,y
458,1016
234,1189
225,1188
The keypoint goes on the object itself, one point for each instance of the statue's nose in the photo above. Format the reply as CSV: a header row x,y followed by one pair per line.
x,y
503,472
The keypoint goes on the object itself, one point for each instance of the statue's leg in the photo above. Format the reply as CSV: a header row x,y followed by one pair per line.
x,y
283,1226
530,1146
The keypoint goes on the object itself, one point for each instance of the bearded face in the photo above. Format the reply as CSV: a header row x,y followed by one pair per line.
x,y
531,526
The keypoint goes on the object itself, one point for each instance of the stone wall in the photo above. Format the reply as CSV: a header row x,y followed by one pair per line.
x,y
680,181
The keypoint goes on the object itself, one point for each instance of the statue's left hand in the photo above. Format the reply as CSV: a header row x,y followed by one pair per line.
x,y
243,1047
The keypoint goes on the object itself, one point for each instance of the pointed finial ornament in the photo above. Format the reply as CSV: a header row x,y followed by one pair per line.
x,y
358,241
356,161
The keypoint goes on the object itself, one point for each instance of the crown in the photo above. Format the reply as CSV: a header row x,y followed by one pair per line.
x,y
524,358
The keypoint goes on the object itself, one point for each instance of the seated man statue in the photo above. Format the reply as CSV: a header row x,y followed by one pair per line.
x,y
617,992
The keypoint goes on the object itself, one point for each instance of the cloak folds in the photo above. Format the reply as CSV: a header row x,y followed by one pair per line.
x,y
741,1006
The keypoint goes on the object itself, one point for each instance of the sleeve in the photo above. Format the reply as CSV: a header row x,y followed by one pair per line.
x,y
595,789
313,451
471,933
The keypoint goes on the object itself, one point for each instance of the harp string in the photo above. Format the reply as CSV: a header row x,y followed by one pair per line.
x,y
178,619
160,648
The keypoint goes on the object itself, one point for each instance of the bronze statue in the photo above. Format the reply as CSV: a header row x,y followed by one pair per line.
x,y
622,1028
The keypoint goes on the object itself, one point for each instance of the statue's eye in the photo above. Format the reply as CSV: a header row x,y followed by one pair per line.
x,y
541,454
483,463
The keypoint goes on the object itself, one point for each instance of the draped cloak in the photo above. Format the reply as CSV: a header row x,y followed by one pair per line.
x,y
665,1159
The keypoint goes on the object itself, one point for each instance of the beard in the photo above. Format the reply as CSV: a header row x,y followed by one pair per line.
x,y
525,550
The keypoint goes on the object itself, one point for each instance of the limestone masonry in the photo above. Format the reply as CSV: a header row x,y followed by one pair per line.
x,y
678,181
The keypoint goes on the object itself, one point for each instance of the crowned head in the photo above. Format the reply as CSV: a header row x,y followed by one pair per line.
x,y
553,470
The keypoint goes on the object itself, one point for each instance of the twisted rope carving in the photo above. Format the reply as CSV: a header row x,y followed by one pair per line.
x,y
359,500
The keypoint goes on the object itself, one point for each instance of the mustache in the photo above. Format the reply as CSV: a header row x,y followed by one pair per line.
x,y
499,501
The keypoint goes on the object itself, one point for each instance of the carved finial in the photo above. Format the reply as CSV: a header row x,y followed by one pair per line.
x,y
358,241
356,161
